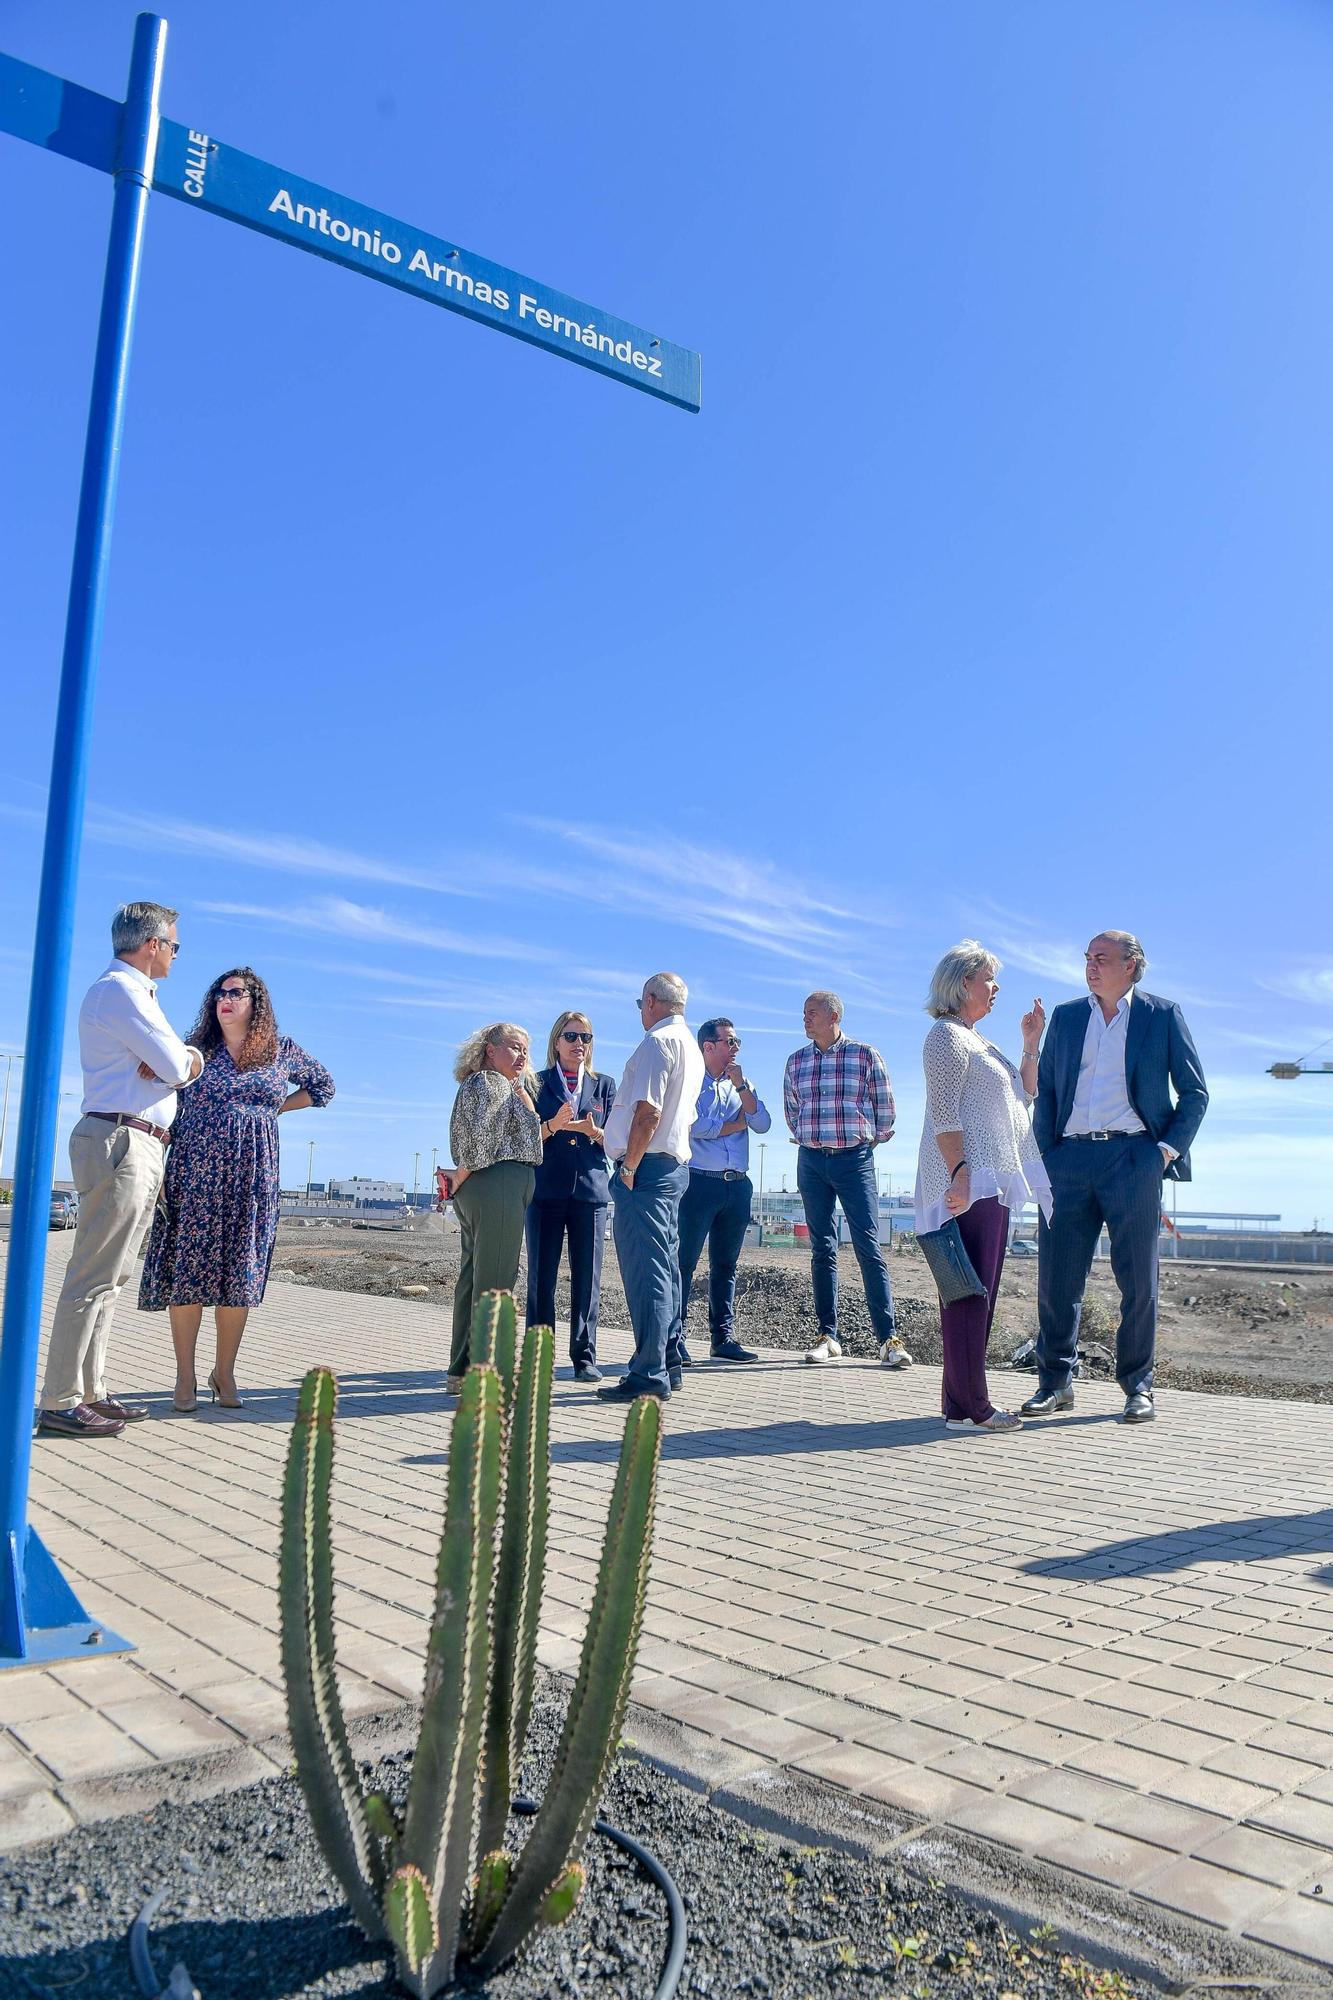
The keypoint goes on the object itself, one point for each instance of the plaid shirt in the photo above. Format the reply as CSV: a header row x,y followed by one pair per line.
x,y
840,1098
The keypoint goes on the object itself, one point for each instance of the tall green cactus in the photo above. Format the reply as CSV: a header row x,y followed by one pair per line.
x,y
441,1886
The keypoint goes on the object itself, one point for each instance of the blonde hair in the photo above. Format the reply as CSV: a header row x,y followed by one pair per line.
x,y
472,1054
951,974
585,1048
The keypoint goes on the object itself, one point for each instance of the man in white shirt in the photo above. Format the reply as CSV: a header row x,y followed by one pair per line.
x,y
648,1137
133,1065
1120,1096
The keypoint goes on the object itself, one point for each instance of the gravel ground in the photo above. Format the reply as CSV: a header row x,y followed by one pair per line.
x,y
253,1915
1226,1331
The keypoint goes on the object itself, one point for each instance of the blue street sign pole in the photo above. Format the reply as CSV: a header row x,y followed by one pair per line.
x,y
41,1619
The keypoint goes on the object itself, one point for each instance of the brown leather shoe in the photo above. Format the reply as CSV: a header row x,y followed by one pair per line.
x,y
129,1413
83,1421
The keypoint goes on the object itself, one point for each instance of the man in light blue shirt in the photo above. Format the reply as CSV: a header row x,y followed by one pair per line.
x,y
715,1208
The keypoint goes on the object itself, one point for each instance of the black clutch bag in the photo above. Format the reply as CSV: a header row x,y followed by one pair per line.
x,y
950,1265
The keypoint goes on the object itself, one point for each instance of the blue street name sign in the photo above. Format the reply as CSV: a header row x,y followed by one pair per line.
x,y
197,169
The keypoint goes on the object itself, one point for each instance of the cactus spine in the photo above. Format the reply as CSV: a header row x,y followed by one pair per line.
x,y
441,1886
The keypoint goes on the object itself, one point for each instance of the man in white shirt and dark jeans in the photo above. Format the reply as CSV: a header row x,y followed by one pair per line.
x,y
648,1137
133,1065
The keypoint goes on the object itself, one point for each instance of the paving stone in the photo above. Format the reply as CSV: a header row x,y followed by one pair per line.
x,y
1304,1818
1298,1924
1265,1856
1211,1791
83,1746
33,1816
1101,1853
1014,1823
1213,1895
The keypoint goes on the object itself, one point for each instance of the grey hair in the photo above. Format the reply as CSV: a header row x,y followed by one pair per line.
x,y
1131,949
134,923
958,965
828,1001
472,1054
668,988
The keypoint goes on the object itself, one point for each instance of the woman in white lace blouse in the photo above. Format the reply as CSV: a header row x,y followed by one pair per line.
x,y
496,1139
978,1160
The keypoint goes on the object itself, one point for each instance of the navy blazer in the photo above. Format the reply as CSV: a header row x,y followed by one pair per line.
x,y
573,1167
1159,1053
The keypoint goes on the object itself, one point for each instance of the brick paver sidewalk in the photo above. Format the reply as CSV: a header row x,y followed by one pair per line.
x,y
1106,1647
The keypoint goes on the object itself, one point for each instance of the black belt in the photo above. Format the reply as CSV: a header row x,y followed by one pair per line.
x,y
135,1124
721,1173
1106,1135
855,1147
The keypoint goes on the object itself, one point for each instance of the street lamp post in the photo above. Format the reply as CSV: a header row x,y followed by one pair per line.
x,y
4,1110
309,1169
761,1190
416,1179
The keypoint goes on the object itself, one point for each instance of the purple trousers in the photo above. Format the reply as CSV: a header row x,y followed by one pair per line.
x,y
965,1327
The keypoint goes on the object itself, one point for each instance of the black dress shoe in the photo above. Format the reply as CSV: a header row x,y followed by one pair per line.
x,y
1139,1408
675,1378
622,1392
587,1371
1046,1402
731,1350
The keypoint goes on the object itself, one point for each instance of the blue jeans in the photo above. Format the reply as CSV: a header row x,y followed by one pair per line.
x,y
647,1229
1094,1181
715,1212
849,1178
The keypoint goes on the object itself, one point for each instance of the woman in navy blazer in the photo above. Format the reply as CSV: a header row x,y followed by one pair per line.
x,y
573,1191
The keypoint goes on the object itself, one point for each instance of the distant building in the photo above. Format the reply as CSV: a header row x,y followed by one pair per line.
x,y
365,1192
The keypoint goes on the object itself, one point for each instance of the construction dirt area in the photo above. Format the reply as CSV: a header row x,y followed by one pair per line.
x,y
1223,1327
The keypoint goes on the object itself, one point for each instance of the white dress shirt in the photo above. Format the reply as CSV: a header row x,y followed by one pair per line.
x,y
666,1070
1101,1100
120,1026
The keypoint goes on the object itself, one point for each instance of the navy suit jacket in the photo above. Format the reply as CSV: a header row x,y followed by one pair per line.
x,y
573,1167
1159,1053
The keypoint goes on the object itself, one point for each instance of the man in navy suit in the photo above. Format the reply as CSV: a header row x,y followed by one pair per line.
x,y
1109,1129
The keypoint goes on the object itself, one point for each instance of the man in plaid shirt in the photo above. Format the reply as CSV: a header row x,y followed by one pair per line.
x,y
839,1107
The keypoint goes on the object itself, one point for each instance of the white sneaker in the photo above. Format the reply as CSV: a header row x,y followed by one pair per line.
x,y
824,1350
892,1354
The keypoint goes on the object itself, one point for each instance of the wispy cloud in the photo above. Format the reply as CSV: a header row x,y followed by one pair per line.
x,y
1049,960
701,889
335,916
289,853
1312,984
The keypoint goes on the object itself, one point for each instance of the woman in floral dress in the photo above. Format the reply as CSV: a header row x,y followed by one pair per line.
x,y
213,1234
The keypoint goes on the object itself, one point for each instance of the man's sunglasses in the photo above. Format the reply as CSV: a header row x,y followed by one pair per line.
x,y
171,944
575,1035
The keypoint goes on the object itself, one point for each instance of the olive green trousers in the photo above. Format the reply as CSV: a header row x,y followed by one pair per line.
x,y
490,1207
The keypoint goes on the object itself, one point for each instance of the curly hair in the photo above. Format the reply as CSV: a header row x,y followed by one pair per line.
x,y
472,1053
261,1044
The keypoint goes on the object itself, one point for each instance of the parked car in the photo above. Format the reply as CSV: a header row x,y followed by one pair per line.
x,y
1023,1246
64,1208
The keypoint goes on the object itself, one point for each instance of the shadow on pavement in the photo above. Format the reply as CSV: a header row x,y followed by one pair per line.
x,y
1264,1538
796,1438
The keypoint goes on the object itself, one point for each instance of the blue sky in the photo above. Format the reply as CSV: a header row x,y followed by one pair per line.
x,y
444,681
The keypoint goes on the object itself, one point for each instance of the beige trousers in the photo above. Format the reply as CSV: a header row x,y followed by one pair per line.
x,y
118,1174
